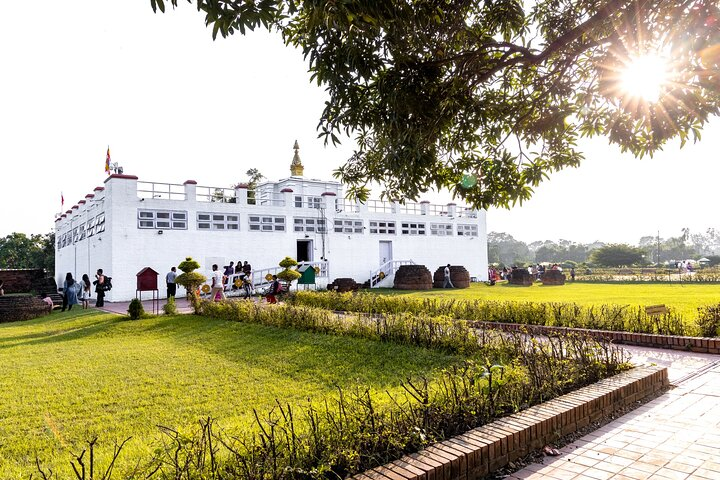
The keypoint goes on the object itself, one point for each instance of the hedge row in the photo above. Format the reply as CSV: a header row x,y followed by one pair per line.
x,y
628,318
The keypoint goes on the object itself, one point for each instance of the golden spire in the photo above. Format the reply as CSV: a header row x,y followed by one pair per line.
x,y
296,167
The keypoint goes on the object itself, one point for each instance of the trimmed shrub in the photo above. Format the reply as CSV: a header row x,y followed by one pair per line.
x,y
170,308
603,317
709,320
135,309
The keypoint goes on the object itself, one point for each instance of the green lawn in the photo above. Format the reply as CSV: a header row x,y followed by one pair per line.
x,y
686,298
73,375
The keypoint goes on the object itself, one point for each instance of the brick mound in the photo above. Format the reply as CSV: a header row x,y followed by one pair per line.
x,y
459,277
520,276
342,285
413,277
21,280
14,308
553,277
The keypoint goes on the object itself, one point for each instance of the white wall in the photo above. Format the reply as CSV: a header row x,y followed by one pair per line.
x,y
124,249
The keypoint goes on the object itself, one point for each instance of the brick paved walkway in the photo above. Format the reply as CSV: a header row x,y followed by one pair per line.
x,y
676,436
122,307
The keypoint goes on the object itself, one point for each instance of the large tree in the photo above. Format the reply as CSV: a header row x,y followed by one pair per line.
x,y
488,97
17,250
506,250
618,255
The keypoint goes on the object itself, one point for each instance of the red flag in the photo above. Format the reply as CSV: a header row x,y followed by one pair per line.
x,y
107,161
62,200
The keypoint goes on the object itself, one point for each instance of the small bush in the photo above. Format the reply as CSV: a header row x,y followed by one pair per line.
x,y
708,320
135,309
170,308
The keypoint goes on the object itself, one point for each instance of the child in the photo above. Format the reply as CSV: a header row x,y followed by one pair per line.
x,y
274,290
48,301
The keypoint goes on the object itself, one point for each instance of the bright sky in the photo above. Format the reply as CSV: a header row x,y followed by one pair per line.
x,y
173,105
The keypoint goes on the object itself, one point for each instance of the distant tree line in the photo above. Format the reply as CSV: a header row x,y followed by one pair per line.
x,y
505,250
18,250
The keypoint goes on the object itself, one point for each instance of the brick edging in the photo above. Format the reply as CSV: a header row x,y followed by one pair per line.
x,y
675,342
492,446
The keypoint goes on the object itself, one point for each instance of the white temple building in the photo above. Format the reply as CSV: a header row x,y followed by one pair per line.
x,y
129,224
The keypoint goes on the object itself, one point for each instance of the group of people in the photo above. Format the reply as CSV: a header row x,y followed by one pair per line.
x,y
684,266
75,293
218,280
537,271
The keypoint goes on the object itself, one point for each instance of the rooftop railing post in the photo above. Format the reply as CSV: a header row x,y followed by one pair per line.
x,y
190,190
287,197
329,202
361,207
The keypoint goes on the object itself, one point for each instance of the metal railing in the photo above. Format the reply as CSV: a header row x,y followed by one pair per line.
x,y
386,269
379,206
343,205
467,212
215,194
270,199
437,210
411,208
164,191
260,283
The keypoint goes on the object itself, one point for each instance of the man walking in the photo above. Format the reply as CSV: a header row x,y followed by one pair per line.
x,y
217,284
447,283
170,282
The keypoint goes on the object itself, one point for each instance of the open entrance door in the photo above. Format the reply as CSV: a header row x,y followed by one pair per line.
x,y
304,251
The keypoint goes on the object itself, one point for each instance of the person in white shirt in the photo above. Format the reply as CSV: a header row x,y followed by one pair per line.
x,y
447,283
170,282
217,284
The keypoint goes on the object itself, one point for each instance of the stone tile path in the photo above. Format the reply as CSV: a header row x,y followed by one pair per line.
x,y
676,436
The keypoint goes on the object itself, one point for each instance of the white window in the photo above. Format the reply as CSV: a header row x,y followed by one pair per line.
x,y
218,221
100,223
412,228
310,225
266,224
83,233
468,230
91,227
382,227
348,226
162,219
307,202
441,229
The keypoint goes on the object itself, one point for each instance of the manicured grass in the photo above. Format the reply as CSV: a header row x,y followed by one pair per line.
x,y
686,298
74,375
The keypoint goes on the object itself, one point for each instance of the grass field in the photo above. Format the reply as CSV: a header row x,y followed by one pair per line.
x,y
686,298
74,375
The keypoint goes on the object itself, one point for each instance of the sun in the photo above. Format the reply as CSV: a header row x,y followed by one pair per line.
x,y
644,77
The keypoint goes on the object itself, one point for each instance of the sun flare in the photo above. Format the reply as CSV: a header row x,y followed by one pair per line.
x,y
644,77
